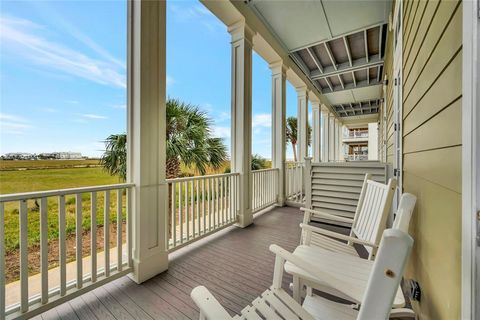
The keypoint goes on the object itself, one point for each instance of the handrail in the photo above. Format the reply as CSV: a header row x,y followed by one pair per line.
x,y
202,177
61,192
264,170
61,289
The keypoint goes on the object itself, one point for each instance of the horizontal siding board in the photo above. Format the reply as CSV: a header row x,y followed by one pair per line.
x,y
430,56
442,93
412,49
444,127
440,166
436,254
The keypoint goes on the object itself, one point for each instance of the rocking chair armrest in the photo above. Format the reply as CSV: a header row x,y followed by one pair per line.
x,y
328,215
329,278
403,313
210,308
336,235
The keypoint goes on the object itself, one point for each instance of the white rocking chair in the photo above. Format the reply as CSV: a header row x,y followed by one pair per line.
x,y
352,269
275,303
368,223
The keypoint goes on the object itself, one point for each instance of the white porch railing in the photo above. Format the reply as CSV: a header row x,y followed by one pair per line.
x,y
357,157
356,134
294,182
199,206
85,276
265,188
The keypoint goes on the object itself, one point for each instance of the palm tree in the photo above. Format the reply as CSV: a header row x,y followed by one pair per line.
x,y
291,134
189,140
114,159
258,162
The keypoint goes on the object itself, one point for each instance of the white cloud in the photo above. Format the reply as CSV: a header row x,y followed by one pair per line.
x,y
170,81
223,116
92,116
263,120
120,106
49,110
199,13
19,36
207,107
221,132
12,124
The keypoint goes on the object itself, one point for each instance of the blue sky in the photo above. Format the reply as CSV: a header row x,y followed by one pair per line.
x,y
63,74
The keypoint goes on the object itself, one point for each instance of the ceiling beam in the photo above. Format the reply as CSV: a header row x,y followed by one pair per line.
x,y
341,81
330,55
315,59
354,79
329,84
380,39
347,48
358,64
299,61
366,44
368,75
350,86
378,73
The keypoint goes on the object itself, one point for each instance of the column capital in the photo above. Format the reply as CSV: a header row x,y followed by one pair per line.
x,y
241,31
324,109
302,91
278,67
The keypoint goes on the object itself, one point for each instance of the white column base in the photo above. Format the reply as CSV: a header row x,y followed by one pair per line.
x,y
149,267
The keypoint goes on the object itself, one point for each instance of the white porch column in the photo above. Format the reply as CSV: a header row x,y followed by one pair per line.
x,y
331,137
279,125
340,141
324,134
146,138
316,131
242,37
337,139
302,122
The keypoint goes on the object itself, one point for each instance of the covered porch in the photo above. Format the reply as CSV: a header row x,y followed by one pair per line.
x,y
235,263
342,58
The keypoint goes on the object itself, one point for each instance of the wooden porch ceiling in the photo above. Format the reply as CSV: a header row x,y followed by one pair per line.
x,y
357,108
347,62
235,265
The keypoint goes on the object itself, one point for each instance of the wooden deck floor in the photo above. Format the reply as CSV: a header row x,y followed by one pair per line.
x,y
235,266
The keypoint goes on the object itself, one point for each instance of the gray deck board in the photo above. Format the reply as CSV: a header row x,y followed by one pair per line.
x,y
235,265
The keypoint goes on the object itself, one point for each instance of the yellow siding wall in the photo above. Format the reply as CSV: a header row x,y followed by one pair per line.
x,y
432,97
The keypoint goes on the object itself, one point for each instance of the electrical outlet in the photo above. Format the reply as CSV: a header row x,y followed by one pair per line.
x,y
413,290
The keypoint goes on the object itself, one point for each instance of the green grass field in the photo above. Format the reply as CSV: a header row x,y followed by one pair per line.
x,y
40,175
13,180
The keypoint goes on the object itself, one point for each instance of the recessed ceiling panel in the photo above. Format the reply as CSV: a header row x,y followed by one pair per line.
x,y
296,23
347,16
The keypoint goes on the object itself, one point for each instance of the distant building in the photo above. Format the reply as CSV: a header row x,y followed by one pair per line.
x,y
19,156
61,156
43,156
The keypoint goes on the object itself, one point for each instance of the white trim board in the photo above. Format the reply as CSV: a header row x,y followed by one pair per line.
x,y
470,158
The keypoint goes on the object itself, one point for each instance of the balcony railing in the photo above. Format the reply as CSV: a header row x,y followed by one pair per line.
x,y
356,157
356,134
294,182
265,188
55,286
200,205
